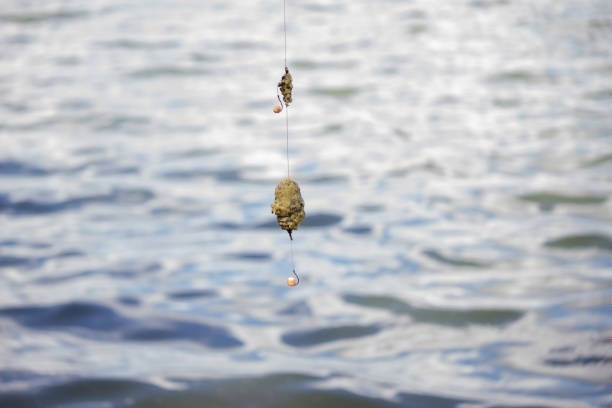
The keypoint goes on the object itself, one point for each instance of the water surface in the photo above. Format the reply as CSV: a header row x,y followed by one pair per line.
x,y
455,159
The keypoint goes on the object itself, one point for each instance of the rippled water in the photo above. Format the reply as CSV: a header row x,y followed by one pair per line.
x,y
456,163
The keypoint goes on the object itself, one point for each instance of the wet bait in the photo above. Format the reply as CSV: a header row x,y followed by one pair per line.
x,y
288,205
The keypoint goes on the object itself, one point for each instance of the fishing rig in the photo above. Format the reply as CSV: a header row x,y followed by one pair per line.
x,y
288,205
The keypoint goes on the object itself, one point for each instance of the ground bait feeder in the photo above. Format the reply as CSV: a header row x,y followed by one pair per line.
x,y
285,87
288,205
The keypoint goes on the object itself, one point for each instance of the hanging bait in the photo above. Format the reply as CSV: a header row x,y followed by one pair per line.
x,y
286,86
291,281
288,205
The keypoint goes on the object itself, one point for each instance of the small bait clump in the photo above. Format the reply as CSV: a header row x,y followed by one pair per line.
x,y
286,86
288,205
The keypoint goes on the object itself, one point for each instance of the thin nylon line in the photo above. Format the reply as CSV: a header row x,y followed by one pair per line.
x,y
287,132
286,107
293,264
292,261
285,27
287,137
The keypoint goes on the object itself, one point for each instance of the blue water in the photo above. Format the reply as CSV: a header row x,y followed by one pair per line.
x,y
455,159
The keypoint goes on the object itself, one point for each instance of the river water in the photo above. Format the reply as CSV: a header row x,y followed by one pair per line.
x,y
456,163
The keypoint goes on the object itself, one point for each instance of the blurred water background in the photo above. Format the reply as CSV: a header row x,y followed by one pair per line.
x,y
455,159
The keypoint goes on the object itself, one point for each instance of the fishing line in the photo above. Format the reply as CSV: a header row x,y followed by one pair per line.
x,y
285,27
287,138
286,69
290,281
288,204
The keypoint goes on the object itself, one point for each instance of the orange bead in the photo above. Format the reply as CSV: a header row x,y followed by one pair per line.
x,y
277,109
291,281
